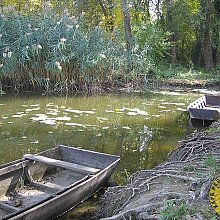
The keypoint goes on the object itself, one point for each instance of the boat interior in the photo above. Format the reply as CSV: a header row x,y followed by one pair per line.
x,y
208,102
37,178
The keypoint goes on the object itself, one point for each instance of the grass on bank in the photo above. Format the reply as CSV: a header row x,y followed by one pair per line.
x,y
172,211
166,70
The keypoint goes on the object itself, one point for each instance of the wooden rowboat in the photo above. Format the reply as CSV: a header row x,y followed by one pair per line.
x,y
47,184
205,108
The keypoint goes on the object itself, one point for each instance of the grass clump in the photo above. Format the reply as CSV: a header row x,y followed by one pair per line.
x,y
213,164
172,211
189,168
182,211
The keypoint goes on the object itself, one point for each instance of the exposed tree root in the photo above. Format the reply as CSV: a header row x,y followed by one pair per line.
x,y
185,177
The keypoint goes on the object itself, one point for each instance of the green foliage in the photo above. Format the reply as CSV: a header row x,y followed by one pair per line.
x,y
151,38
212,129
45,48
166,70
214,165
190,168
186,15
173,211
211,162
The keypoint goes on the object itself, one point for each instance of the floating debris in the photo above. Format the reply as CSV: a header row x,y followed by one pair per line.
x,y
78,111
64,118
32,109
18,116
35,142
166,110
35,105
48,121
160,106
132,112
171,93
109,111
102,119
126,127
182,109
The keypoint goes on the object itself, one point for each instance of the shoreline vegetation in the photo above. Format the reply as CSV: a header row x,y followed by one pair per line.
x,y
176,189
46,48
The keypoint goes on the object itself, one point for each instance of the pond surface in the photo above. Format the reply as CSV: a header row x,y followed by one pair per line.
x,y
141,128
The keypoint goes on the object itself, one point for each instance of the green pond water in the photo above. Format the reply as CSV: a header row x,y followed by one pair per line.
x,y
142,128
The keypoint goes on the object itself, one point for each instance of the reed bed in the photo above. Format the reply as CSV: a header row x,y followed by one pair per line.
x,y
56,53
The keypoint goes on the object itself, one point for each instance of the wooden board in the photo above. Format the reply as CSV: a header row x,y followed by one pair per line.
x,y
60,163
12,168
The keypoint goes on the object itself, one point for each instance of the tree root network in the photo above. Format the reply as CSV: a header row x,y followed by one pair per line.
x,y
182,181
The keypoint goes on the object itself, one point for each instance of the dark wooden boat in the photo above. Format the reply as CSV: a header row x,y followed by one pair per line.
x,y
47,184
205,108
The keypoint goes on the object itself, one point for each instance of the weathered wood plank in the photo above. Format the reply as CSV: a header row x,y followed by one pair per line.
x,y
9,177
45,188
13,168
63,164
8,208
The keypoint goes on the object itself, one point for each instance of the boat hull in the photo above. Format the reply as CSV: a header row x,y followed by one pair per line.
x,y
66,200
206,108
203,114
69,197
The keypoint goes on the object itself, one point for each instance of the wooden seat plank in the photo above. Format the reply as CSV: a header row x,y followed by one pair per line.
x,y
60,163
45,188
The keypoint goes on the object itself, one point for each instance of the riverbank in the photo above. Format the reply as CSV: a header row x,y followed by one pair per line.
x,y
176,189
179,85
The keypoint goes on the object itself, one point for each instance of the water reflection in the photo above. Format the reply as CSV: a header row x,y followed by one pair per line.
x,y
141,128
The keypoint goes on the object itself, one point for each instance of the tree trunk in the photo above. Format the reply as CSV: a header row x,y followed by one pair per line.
x,y
158,12
108,13
216,34
111,21
103,8
206,37
127,25
172,30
